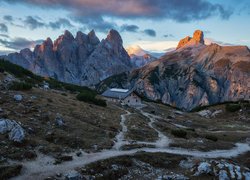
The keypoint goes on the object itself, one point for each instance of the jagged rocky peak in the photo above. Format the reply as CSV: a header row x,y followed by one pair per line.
x,y
81,38
48,42
93,39
198,38
114,37
67,35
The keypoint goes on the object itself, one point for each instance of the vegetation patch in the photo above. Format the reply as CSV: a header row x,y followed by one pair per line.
x,y
20,86
179,133
233,107
211,137
90,97
7,172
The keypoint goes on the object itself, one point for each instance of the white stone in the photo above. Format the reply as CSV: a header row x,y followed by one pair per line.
x,y
18,97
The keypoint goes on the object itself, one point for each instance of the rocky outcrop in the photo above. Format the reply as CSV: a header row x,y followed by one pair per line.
x,y
16,132
82,60
198,38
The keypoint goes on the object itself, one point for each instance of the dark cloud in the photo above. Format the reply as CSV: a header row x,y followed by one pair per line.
x,y
8,18
177,10
4,35
5,52
3,28
19,43
168,35
33,22
150,32
97,23
129,28
62,22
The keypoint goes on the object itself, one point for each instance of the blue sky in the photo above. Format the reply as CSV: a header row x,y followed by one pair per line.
x,y
155,25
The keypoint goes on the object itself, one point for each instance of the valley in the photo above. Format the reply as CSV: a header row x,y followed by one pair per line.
x,y
153,138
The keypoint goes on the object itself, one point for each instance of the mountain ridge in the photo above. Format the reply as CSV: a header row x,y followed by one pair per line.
x,y
193,75
74,59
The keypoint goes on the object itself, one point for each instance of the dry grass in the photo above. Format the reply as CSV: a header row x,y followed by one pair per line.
x,y
86,126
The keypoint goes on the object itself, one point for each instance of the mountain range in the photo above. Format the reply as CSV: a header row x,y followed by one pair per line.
x,y
82,60
193,75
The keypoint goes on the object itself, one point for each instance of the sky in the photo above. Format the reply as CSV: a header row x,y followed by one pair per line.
x,y
155,25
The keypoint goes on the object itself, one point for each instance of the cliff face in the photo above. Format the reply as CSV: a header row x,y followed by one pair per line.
x,y
197,76
82,60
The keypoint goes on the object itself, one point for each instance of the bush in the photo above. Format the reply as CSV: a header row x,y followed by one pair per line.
x,y
20,86
179,133
211,137
233,107
90,97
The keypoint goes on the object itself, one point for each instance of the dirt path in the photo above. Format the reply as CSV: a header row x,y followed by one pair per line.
x,y
43,166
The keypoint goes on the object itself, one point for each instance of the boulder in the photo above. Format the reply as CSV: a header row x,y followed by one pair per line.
x,y
73,175
59,120
205,113
16,132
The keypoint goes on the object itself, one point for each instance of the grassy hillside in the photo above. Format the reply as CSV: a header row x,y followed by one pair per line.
x,y
30,80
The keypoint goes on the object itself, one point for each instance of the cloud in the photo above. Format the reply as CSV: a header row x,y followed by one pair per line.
x,y
19,43
33,22
209,41
177,10
96,22
61,22
129,28
8,18
168,35
3,28
150,32
5,52
4,35
157,46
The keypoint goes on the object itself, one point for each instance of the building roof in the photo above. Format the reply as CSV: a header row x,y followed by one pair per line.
x,y
117,93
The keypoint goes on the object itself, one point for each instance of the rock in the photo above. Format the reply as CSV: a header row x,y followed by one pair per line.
x,y
78,154
215,113
59,120
1,110
205,113
179,112
16,132
183,42
223,175
18,97
198,38
203,168
73,175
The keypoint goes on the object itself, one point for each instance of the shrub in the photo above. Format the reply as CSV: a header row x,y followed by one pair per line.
x,y
211,137
179,133
19,86
233,107
90,97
